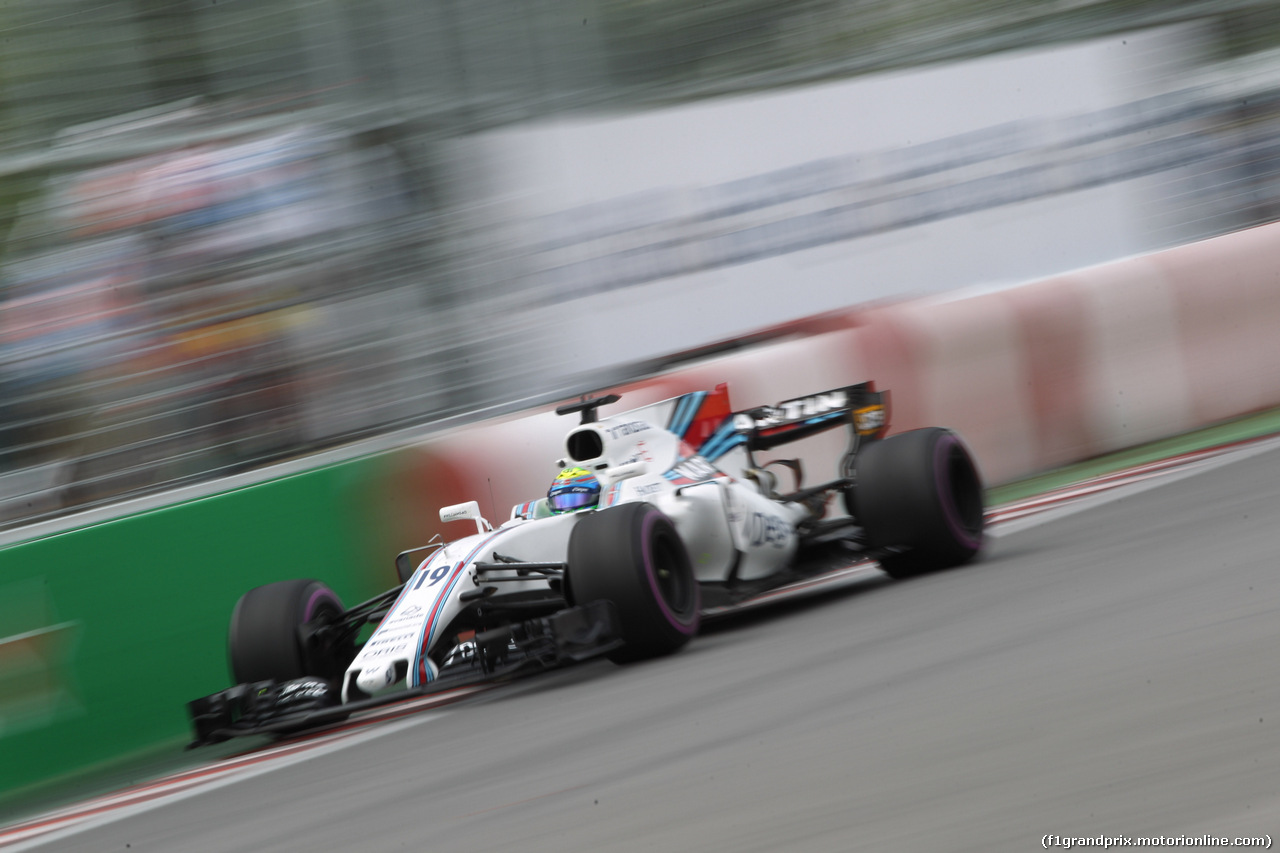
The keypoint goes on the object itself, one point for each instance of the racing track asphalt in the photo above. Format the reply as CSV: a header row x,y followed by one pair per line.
x,y
1112,672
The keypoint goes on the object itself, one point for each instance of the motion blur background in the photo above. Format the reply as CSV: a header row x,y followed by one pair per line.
x,y
237,231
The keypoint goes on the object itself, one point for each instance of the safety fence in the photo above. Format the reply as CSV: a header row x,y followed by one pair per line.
x,y
242,232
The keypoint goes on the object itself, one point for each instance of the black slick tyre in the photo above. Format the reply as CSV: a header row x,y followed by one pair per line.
x,y
919,500
265,641
632,555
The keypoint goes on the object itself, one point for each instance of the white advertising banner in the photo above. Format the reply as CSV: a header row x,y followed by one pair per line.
x,y
653,232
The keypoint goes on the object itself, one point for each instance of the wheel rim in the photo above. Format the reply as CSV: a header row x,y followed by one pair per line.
x,y
326,661
673,582
964,492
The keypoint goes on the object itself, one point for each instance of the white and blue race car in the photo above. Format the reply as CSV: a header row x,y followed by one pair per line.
x,y
660,515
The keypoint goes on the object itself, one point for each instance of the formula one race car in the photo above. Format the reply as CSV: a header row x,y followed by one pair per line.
x,y
658,515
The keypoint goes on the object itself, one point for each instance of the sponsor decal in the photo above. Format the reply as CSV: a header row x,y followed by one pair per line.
x,y
629,428
401,619
460,512
296,691
393,639
765,529
869,419
792,411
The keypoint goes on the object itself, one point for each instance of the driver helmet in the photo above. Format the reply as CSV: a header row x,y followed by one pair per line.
x,y
573,489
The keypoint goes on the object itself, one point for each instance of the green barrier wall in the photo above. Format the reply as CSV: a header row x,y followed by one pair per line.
x,y
107,631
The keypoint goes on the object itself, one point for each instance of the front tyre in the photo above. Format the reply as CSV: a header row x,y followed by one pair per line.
x,y
919,501
632,555
267,640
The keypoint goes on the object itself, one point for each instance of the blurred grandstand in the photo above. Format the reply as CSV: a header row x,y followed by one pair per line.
x,y
233,235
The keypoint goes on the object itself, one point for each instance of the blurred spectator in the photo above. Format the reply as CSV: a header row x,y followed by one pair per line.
x,y
156,339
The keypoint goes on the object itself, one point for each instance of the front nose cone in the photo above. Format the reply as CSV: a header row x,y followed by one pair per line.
x,y
377,677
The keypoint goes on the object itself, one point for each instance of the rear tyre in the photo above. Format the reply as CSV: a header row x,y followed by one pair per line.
x,y
265,640
633,556
919,501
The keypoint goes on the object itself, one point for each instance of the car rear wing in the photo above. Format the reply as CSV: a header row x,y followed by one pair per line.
x,y
860,407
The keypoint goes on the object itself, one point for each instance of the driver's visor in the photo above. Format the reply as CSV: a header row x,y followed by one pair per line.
x,y
569,500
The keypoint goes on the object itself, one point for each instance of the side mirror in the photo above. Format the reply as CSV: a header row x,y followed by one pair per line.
x,y
404,566
406,563
464,511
